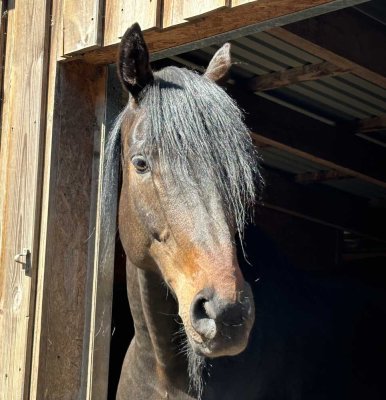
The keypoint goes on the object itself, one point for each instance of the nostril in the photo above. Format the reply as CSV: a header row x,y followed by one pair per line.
x,y
199,311
200,318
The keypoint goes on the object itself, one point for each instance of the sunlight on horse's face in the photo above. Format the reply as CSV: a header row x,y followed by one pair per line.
x,y
185,236
182,234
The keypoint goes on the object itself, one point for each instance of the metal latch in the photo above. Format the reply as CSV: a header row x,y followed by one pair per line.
x,y
26,262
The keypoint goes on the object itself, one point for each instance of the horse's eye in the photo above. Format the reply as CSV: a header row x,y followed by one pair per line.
x,y
140,164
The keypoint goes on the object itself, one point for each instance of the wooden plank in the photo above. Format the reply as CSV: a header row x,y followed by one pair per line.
x,y
56,50
23,124
329,37
374,124
82,25
101,255
119,15
219,24
172,13
235,3
312,140
320,176
198,8
304,73
60,352
3,30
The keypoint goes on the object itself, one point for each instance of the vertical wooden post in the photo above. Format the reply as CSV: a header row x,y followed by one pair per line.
x,y
100,277
64,302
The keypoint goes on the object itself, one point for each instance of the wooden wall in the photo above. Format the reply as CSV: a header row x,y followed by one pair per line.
x,y
23,123
89,24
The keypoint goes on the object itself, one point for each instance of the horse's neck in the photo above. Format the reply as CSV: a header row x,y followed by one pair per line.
x,y
154,312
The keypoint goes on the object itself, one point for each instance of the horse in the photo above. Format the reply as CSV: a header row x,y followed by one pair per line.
x,y
215,316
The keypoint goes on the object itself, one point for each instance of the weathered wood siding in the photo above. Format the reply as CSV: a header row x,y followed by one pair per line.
x,y
70,232
23,121
82,23
194,19
121,14
194,9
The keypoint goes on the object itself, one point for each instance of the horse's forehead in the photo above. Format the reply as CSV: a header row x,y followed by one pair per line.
x,y
132,127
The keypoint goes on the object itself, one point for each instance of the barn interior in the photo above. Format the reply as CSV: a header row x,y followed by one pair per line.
x,y
317,114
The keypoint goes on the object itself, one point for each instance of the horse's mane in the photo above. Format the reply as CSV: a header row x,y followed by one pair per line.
x,y
196,131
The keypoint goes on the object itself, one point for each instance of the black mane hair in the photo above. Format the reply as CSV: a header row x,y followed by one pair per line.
x,y
197,131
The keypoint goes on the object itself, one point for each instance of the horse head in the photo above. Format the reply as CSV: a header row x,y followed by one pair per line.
x,y
189,173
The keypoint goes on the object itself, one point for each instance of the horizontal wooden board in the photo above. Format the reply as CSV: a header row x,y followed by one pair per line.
x,y
82,25
304,73
120,14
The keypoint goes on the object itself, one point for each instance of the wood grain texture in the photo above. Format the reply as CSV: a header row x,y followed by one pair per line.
x,y
101,255
304,73
3,29
120,14
56,51
82,25
23,123
66,252
328,55
198,8
222,21
235,3
172,13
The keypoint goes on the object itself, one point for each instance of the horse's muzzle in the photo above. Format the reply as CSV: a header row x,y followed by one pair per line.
x,y
224,326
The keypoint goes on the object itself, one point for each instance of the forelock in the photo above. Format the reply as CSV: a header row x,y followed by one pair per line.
x,y
197,131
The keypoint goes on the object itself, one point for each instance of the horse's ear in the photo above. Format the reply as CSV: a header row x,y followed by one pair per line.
x,y
133,62
220,64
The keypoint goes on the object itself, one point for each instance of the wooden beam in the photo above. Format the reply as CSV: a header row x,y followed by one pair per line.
x,y
304,73
305,137
55,51
330,37
323,205
61,353
374,124
221,25
320,176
